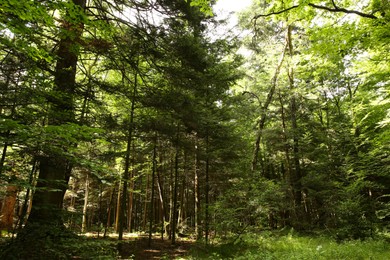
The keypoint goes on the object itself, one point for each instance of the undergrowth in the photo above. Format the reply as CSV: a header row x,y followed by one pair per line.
x,y
70,248
267,246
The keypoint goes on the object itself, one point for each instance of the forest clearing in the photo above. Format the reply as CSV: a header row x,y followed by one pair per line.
x,y
161,129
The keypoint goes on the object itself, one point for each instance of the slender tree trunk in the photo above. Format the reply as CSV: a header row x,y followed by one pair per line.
x,y
127,161
109,210
100,209
174,219
287,173
296,178
85,208
154,166
171,183
145,210
118,207
264,108
197,217
7,133
181,215
285,138
162,202
131,201
207,191
3,154
24,213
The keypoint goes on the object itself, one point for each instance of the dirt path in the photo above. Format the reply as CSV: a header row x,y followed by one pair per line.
x,y
139,249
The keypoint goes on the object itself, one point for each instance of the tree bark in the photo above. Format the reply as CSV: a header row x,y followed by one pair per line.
x,y
8,209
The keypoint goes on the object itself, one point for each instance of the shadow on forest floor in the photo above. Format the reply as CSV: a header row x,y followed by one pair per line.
x,y
138,248
90,246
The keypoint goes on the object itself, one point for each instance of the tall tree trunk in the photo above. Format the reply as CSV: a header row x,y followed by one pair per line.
x,y
207,191
197,216
55,169
162,203
264,108
151,215
7,133
127,162
296,178
131,203
287,173
100,212
181,215
145,209
109,210
131,197
174,219
171,183
118,207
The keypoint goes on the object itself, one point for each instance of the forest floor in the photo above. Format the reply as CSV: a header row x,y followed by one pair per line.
x,y
138,248
133,246
253,245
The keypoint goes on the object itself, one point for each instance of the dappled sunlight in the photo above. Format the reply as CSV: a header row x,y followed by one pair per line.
x,y
113,235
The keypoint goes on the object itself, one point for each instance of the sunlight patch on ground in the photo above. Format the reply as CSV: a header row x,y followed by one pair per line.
x,y
112,235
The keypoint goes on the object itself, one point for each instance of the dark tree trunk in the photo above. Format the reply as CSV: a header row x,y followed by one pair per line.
x,y
45,221
174,213
296,184
151,215
126,176
50,190
207,191
197,215
55,170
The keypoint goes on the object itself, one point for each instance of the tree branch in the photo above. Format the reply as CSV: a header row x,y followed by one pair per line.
x,y
336,9
274,13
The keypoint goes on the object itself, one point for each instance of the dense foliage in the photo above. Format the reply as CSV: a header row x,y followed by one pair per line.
x,y
131,116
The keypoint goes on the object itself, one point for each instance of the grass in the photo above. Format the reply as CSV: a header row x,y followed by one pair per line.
x,y
293,246
262,245
61,248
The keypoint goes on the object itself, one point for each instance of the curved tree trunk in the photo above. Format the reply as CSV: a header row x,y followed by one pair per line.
x,y
264,108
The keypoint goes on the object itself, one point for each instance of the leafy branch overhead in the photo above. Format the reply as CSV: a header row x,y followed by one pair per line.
x,y
331,7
